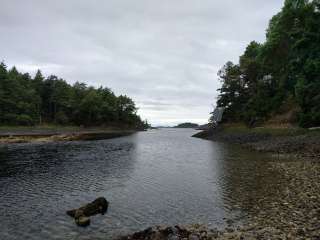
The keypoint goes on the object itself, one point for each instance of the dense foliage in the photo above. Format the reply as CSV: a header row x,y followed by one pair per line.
x,y
26,100
282,74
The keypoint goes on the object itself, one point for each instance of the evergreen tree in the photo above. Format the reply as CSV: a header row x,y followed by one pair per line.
x,y
29,101
285,68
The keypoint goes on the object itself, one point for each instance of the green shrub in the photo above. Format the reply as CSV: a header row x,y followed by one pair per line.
x,y
24,120
61,118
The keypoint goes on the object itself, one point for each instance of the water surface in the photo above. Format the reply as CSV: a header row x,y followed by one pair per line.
x,y
150,178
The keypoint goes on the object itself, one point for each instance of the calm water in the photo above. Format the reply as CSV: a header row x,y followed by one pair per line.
x,y
149,178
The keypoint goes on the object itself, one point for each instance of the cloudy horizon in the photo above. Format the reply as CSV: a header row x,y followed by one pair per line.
x,y
165,56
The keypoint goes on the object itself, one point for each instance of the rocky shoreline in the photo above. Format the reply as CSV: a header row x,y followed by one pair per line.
x,y
60,136
305,145
293,214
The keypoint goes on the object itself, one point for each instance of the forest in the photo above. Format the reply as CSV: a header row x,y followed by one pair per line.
x,y
280,76
29,101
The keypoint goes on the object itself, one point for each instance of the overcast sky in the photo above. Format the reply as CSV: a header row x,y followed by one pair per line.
x,y
164,54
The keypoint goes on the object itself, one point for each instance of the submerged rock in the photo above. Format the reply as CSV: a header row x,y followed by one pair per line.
x,y
82,214
82,221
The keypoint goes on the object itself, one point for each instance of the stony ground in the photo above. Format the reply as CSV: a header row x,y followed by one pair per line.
x,y
293,214
305,145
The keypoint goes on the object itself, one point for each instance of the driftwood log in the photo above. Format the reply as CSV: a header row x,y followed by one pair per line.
x,y
82,215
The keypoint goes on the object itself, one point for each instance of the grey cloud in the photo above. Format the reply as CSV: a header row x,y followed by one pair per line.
x,y
163,54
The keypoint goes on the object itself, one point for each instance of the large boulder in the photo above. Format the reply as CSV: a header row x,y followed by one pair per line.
x,y
82,214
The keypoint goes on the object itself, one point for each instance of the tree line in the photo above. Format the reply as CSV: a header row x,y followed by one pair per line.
x,y
28,101
280,75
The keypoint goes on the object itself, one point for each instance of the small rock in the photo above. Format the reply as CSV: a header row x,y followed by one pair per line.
x,y
194,237
173,237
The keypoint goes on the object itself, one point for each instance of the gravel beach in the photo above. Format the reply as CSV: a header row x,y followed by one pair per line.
x,y
295,216
305,145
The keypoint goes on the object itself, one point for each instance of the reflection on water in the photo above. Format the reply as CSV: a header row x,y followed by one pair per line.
x,y
150,178
248,179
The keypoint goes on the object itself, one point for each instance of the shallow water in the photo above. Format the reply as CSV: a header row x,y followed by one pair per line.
x,y
150,178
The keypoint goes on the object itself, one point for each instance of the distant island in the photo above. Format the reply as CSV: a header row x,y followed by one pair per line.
x,y
187,125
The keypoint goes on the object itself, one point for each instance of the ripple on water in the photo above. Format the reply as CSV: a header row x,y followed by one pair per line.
x,y
150,178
